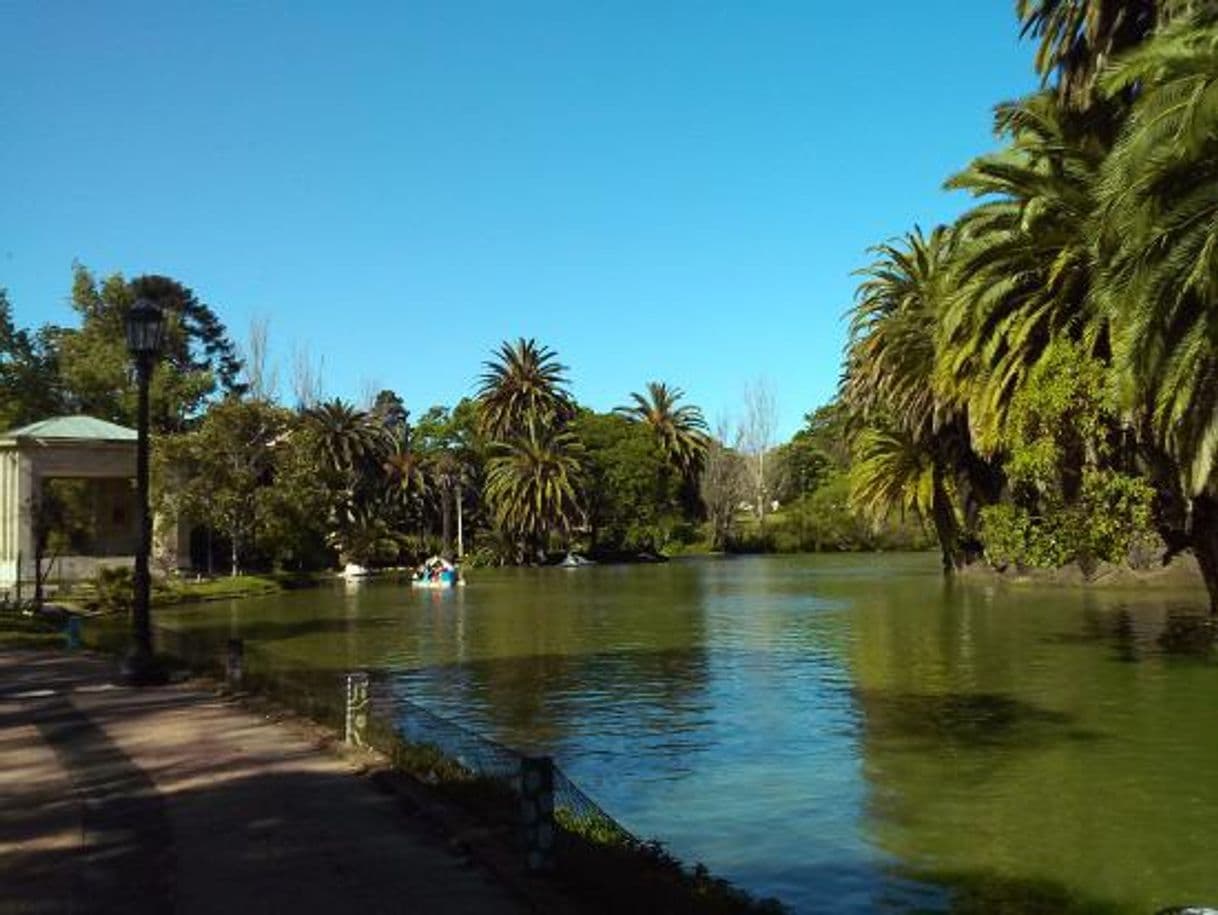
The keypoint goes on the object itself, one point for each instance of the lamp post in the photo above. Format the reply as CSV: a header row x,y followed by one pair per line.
x,y
145,330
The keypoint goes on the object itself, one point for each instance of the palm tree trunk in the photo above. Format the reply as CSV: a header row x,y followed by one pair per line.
x,y
460,526
1205,544
946,527
446,523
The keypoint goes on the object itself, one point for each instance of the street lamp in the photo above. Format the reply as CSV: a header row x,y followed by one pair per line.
x,y
145,330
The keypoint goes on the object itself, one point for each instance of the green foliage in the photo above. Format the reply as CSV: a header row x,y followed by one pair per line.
x,y
115,588
801,466
1076,38
1060,422
523,388
680,431
1158,237
1021,273
1069,504
198,360
30,388
219,473
891,472
629,498
533,484
24,631
1110,518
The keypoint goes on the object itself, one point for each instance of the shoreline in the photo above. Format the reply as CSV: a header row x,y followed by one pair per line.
x,y
1181,573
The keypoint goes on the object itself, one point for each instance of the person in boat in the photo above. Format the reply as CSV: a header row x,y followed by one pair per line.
x,y
437,570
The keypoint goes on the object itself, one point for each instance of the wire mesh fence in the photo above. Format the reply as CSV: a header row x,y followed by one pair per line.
x,y
468,765
557,825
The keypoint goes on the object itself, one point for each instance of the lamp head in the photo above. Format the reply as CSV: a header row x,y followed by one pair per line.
x,y
145,329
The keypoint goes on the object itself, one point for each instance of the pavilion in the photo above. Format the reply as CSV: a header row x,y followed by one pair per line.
x,y
79,461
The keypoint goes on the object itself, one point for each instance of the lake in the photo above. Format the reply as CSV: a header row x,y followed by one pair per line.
x,y
849,734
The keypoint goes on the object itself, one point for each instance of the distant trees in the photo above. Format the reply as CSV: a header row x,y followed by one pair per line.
x,y
723,486
757,430
628,492
30,387
218,473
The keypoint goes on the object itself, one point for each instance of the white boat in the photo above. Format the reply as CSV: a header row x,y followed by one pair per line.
x,y
575,561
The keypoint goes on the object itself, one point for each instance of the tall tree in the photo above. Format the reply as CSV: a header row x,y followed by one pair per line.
x,y
756,438
1022,263
910,441
200,361
723,484
679,429
532,485
1076,39
523,388
218,474
626,489
1158,238
348,441
351,448
30,388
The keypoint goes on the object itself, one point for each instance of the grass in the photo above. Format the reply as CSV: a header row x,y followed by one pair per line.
x,y
18,630
180,591
112,595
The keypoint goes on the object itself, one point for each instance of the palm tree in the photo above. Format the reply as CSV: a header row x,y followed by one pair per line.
x,y
532,485
446,472
1022,263
681,431
523,385
1158,239
408,483
1077,38
350,446
348,441
891,354
892,471
900,422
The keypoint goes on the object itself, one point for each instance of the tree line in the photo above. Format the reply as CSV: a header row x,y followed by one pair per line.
x,y
507,475
1039,379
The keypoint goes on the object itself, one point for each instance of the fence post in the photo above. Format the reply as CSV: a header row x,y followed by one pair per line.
x,y
357,709
537,811
72,633
234,669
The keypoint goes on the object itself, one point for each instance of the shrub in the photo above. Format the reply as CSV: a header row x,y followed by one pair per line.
x,y
115,588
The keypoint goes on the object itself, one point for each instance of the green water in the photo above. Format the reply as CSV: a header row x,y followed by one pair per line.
x,y
849,734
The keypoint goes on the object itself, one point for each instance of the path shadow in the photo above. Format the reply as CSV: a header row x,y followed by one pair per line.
x,y
129,866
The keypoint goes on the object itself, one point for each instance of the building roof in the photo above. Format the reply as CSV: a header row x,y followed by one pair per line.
x,y
75,428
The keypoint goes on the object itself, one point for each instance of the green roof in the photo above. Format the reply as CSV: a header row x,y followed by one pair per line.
x,y
77,428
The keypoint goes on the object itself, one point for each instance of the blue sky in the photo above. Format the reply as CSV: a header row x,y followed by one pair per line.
x,y
673,191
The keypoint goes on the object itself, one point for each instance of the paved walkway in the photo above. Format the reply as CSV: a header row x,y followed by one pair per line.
x,y
172,800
